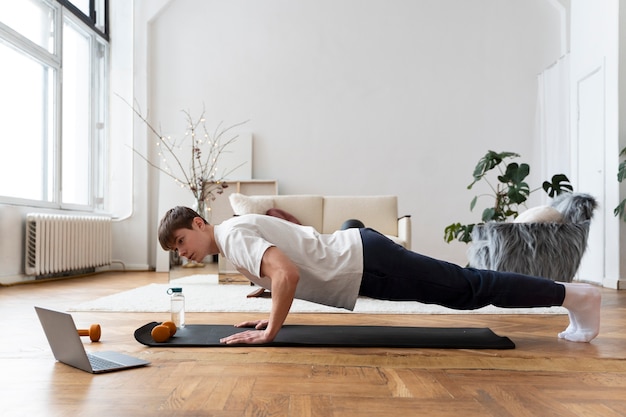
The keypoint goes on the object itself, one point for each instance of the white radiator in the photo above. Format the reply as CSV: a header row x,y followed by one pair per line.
x,y
58,245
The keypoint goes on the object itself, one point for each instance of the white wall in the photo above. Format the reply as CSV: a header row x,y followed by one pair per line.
x,y
363,97
594,72
344,97
622,136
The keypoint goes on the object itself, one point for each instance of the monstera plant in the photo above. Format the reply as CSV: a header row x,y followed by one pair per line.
x,y
509,191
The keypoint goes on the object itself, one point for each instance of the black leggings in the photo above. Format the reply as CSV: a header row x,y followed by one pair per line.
x,y
391,272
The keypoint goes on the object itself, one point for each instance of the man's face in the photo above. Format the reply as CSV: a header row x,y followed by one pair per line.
x,y
192,243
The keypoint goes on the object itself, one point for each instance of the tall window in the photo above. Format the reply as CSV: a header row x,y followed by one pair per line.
x,y
52,119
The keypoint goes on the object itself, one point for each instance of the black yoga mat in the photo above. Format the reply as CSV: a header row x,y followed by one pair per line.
x,y
209,335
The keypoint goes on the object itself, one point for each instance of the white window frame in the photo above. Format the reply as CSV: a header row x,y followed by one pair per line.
x,y
98,163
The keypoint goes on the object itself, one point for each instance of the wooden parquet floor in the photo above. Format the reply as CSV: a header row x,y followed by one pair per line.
x,y
543,376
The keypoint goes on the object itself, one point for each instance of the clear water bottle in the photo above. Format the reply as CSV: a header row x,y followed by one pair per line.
x,y
178,306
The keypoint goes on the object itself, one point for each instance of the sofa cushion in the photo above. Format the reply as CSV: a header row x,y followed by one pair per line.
x,y
307,208
377,212
243,204
282,214
540,214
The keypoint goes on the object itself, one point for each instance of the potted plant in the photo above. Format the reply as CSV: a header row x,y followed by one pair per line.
x,y
510,191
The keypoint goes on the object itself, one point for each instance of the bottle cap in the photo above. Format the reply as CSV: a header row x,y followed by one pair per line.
x,y
174,290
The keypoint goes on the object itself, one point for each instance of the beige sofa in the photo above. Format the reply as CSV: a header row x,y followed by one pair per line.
x,y
327,213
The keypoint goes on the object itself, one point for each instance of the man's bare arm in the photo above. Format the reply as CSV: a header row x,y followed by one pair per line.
x,y
284,276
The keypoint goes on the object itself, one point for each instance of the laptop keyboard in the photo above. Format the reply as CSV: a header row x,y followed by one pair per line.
x,y
99,364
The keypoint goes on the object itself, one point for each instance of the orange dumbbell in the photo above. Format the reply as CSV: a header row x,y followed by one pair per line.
x,y
94,332
162,332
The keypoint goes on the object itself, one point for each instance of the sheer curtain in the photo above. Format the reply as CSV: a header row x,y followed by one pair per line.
x,y
553,119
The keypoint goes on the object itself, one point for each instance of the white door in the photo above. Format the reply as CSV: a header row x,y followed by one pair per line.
x,y
591,167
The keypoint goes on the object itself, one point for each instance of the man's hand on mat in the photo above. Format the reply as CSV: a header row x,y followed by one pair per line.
x,y
251,336
248,337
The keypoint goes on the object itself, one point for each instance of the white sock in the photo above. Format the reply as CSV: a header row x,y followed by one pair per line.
x,y
583,304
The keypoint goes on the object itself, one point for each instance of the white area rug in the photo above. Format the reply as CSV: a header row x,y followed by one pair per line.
x,y
203,294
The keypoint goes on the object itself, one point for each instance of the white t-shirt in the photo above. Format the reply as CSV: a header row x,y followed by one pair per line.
x,y
330,265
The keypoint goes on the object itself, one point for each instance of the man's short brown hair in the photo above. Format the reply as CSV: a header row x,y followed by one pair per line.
x,y
177,218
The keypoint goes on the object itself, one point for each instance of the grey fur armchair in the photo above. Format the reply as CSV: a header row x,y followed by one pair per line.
x,y
551,249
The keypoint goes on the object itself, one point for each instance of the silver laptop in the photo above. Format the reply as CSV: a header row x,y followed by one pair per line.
x,y
68,348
